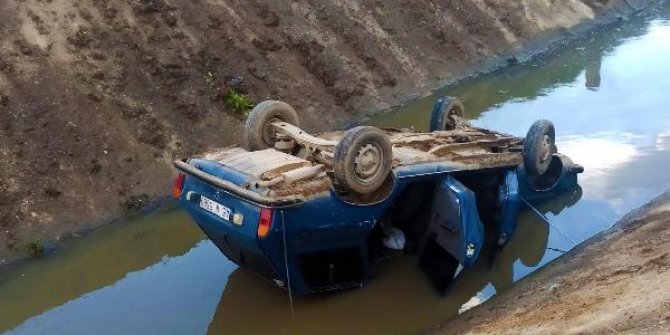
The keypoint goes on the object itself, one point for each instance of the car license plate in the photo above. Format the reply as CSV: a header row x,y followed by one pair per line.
x,y
215,207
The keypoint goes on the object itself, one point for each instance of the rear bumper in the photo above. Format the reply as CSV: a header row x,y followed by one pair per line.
x,y
322,251
242,250
318,260
235,190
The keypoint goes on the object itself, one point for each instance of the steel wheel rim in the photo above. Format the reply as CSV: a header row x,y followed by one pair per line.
x,y
546,149
368,163
269,131
450,121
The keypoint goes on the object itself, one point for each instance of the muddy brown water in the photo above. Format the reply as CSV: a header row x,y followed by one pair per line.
x,y
608,96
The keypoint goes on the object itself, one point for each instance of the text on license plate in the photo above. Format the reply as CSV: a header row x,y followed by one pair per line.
x,y
215,207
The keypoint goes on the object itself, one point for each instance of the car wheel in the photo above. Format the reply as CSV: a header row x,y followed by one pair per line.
x,y
362,159
539,147
259,133
445,114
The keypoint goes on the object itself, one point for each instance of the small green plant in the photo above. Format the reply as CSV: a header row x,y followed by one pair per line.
x,y
238,101
35,249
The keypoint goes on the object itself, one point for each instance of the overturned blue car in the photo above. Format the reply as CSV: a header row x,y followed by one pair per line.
x,y
313,213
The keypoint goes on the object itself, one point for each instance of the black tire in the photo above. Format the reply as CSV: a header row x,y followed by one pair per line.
x,y
539,147
258,130
441,116
362,143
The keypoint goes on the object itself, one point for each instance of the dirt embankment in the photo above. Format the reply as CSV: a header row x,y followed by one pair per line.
x,y
616,283
98,96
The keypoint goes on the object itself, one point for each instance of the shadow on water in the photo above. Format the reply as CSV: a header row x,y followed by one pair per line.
x,y
399,301
607,95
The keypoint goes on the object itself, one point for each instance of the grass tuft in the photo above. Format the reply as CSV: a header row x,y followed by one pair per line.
x,y
238,101
35,249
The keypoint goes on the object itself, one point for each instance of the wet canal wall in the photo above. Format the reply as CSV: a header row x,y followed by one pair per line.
x,y
98,97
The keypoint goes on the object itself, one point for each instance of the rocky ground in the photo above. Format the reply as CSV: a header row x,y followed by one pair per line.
x,y
618,282
97,97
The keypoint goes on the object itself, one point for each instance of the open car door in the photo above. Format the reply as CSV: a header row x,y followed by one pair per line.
x,y
455,234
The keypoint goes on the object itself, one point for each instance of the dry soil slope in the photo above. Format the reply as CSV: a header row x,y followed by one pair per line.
x,y
616,283
98,96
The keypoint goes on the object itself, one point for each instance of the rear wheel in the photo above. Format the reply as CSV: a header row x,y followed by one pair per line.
x,y
447,113
539,147
362,159
259,133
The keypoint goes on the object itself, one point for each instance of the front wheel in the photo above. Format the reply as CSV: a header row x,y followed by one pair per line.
x,y
539,147
448,113
362,159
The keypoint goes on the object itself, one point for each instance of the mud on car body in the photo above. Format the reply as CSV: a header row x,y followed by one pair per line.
x,y
310,213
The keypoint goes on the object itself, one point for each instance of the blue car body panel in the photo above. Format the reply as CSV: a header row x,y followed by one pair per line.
x,y
302,233
455,217
510,203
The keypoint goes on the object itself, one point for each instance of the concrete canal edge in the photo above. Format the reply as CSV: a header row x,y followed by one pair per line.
x,y
613,283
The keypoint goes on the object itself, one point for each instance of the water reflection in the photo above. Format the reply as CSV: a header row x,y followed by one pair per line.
x,y
174,296
155,275
189,287
399,301
84,265
592,74
625,49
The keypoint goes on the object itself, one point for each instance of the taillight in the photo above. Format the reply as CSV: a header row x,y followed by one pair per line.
x,y
178,186
264,222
